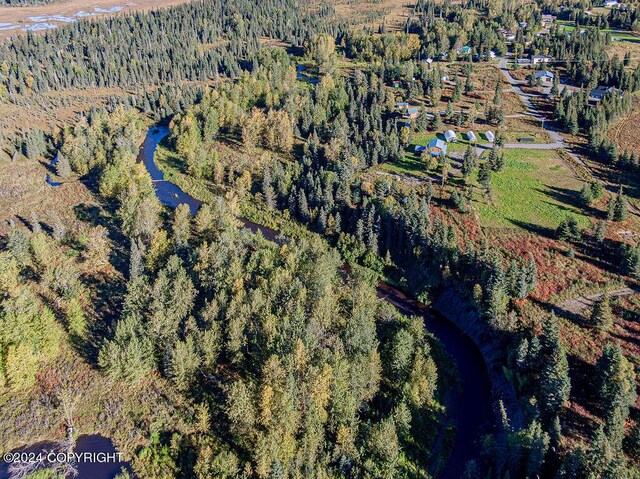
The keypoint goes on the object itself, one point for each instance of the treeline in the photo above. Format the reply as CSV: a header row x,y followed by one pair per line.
x,y
194,41
625,18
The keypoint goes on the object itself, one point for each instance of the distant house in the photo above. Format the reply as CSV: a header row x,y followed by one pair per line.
x,y
544,76
437,147
465,50
599,93
413,112
522,24
397,84
609,3
450,136
538,59
523,61
492,54
403,105
546,19
490,136
471,136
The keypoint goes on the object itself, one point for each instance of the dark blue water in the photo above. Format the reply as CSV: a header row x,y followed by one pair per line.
x,y
168,193
302,76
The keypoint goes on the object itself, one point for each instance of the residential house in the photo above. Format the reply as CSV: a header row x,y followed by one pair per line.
x,y
538,59
465,50
544,76
450,136
437,147
413,112
599,93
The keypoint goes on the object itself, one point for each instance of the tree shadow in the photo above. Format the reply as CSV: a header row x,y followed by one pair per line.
x,y
533,228
91,214
584,384
570,316
565,196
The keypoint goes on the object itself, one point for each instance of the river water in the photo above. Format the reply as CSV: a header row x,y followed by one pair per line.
x,y
471,410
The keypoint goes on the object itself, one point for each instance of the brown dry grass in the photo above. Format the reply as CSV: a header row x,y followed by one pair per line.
x,y
23,190
49,110
371,14
624,132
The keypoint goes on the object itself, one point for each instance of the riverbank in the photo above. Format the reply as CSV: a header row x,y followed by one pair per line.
x,y
452,305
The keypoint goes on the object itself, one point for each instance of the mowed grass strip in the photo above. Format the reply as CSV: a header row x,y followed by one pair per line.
x,y
535,190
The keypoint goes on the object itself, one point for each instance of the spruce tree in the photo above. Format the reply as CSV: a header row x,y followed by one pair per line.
x,y
554,383
63,167
601,314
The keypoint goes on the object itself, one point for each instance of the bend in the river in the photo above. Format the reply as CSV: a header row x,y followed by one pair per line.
x,y
471,409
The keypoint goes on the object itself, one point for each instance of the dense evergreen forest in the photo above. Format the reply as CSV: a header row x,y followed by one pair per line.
x,y
195,41
210,351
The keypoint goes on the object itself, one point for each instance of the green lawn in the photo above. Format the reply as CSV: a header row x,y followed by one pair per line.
x,y
616,35
622,36
535,190
410,164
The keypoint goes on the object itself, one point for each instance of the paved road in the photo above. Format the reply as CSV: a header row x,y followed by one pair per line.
x,y
531,111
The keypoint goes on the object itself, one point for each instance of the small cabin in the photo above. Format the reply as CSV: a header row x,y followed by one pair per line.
x,y
437,147
413,112
490,136
450,136
544,76
471,136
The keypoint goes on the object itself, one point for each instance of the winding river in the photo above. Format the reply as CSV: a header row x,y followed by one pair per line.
x,y
471,410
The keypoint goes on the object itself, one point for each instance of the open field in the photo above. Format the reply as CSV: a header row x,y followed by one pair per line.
x,y
372,13
15,20
524,127
23,191
624,132
536,190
